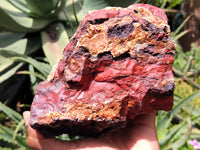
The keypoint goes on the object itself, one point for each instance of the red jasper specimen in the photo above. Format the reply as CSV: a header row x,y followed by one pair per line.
x,y
117,65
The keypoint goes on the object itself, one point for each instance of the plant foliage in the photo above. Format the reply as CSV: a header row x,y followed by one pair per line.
x,y
13,137
33,34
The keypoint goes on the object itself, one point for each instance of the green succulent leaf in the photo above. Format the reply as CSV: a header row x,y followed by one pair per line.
x,y
195,133
11,113
8,38
164,122
164,142
40,66
174,3
19,140
19,126
178,36
20,4
69,9
175,34
14,42
17,43
40,76
5,137
165,119
168,132
9,71
42,8
54,40
180,142
181,103
13,19
33,78
190,109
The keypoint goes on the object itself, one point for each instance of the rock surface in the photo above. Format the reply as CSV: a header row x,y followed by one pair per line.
x,y
117,65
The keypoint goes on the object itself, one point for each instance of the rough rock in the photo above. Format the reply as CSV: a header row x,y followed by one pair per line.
x,y
117,65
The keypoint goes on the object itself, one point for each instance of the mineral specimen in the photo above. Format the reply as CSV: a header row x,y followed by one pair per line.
x,y
117,65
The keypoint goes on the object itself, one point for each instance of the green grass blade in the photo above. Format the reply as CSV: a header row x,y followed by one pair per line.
x,y
38,75
180,53
164,121
12,70
11,113
192,110
195,133
163,4
164,142
183,137
177,97
178,36
44,68
60,5
68,11
18,45
189,61
170,135
33,79
173,35
75,14
69,22
6,138
180,104
195,119
179,143
19,140
19,126
41,67
159,116
63,137
5,148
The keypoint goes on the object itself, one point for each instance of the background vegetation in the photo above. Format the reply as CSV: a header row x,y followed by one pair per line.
x,y
33,34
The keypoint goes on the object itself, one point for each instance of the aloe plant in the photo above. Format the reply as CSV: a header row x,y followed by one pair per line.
x,y
14,138
175,136
185,112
